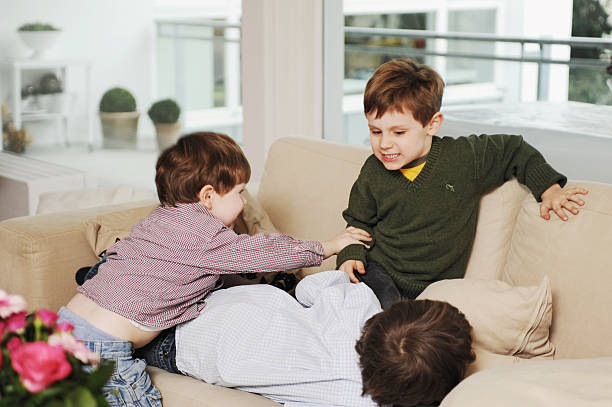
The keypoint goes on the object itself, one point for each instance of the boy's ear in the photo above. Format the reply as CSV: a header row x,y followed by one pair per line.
x,y
206,196
433,127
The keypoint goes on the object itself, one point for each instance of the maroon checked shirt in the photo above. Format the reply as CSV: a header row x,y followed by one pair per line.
x,y
159,275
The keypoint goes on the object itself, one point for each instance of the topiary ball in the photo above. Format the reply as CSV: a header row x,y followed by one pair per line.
x,y
164,111
49,83
117,100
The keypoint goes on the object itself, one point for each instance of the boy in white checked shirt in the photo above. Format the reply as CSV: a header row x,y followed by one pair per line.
x,y
334,346
160,274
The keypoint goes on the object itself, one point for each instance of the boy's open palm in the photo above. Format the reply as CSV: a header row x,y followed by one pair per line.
x,y
350,235
560,200
349,268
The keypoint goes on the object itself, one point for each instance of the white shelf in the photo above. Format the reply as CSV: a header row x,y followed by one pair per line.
x,y
25,117
60,67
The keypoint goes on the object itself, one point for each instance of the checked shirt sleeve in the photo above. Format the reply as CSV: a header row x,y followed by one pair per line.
x,y
229,252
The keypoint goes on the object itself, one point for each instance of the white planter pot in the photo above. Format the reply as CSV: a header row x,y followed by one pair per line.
x,y
167,134
120,130
38,41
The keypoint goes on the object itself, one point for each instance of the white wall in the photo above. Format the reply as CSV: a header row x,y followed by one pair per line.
x,y
282,73
116,36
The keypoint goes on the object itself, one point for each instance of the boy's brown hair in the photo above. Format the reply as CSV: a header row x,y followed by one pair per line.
x,y
404,84
414,352
197,160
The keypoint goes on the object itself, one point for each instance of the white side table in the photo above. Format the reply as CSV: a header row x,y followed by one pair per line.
x,y
62,118
24,179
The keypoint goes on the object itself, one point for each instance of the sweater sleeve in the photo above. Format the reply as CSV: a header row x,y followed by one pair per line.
x,y
500,157
361,213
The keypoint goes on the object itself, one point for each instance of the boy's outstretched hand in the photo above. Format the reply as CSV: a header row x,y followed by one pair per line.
x,y
350,235
560,200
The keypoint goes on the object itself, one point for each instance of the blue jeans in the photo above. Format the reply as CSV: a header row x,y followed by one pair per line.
x,y
129,385
161,351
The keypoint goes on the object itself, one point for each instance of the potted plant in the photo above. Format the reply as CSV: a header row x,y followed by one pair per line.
x,y
165,114
119,118
50,92
38,36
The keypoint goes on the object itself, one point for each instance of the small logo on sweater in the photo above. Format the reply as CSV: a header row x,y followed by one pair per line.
x,y
449,187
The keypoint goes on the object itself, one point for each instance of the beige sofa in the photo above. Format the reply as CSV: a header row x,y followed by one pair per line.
x,y
303,190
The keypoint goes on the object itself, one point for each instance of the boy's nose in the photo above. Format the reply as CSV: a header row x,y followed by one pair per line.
x,y
385,141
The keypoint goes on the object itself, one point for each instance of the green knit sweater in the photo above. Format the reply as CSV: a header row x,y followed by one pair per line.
x,y
423,230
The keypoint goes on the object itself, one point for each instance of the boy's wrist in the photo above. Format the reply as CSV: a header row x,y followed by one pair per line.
x,y
542,178
351,252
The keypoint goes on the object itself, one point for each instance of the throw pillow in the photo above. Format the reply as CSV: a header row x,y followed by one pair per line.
x,y
103,231
506,320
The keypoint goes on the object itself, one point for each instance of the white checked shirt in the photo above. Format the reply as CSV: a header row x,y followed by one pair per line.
x,y
260,339
159,275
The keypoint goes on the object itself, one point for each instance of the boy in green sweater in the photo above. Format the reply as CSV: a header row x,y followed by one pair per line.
x,y
418,194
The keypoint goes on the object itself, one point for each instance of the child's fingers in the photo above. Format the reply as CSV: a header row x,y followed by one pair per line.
x,y
362,234
576,199
560,212
360,267
347,267
580,191
544,212
570,207
351,275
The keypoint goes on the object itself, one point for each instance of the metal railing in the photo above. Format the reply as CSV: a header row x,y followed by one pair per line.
x,y
543,59
175,23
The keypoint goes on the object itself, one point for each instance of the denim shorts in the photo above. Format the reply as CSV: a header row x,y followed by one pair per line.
x,y
129,385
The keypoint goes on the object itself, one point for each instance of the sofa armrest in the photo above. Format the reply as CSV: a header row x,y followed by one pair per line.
x,y
40,254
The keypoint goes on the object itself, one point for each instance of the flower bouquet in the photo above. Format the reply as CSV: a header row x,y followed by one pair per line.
x,y
42,364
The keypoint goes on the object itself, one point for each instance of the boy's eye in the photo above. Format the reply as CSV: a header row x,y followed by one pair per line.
x,y
375,131
399,133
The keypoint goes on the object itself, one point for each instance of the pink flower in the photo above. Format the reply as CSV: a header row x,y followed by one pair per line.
x,y
13,343
2,329
48,317
16,322
39,365
10,304
70,344
64,326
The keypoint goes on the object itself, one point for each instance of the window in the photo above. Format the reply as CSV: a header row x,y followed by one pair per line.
x,y
198,63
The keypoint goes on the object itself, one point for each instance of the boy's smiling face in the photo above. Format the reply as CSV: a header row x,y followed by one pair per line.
x,y
398,139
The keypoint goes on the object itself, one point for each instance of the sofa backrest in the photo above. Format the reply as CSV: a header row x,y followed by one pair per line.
x,y
305,187
577,257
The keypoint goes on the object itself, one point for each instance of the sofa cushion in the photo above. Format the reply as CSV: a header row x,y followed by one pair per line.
x,y
183,391
506,320
541,383
486,360
496,220
576,256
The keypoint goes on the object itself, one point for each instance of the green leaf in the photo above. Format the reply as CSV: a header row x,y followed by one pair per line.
x,y
100,376
82,397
